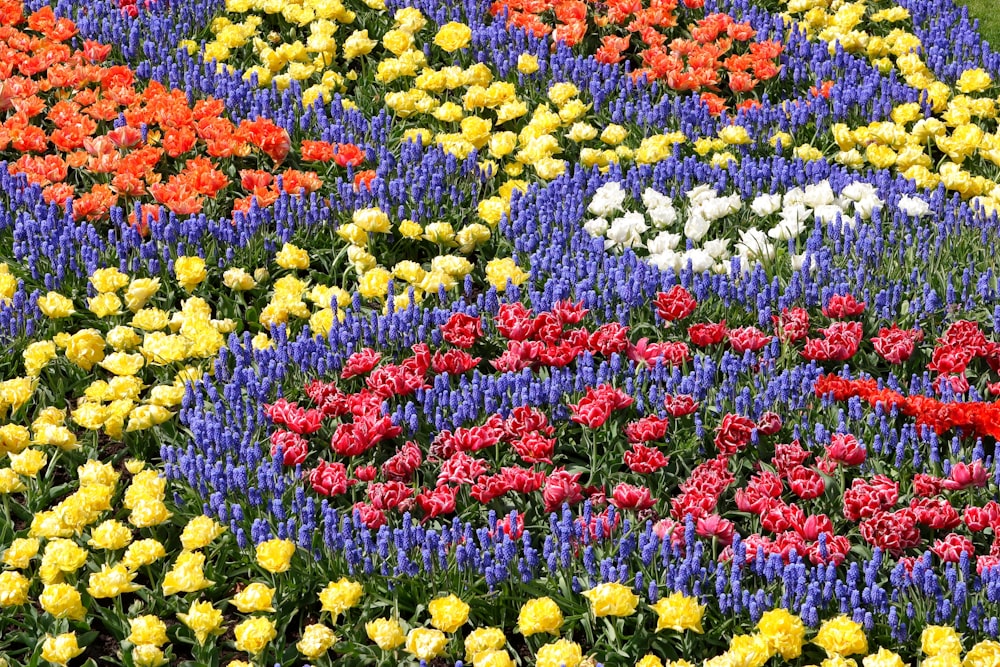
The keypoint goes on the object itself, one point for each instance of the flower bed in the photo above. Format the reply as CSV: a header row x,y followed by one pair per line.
x,y
380,332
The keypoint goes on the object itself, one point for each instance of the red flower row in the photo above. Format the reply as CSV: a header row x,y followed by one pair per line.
x,y
524,455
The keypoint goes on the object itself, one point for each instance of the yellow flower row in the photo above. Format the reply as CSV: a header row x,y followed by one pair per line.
x,y
483,646
323,64
781,633
487,104
117,405
778,632
948,146
364,236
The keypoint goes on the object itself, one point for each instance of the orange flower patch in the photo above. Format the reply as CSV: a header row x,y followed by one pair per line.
x,y
714,56
81,129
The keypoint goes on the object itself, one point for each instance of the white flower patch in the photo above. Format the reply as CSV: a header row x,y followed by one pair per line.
x,y
716,208
676,234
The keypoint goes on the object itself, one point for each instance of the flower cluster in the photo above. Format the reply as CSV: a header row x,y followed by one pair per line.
x,y
294,42
82,129
792,215
540,332
948,140
714,55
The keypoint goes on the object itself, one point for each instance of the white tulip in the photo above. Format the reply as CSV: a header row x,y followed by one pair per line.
x,y
914,206
696,227
596,227
608,199
765,205
626,231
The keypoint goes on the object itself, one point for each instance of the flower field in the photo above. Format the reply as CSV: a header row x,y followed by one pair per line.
x,y
495,333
